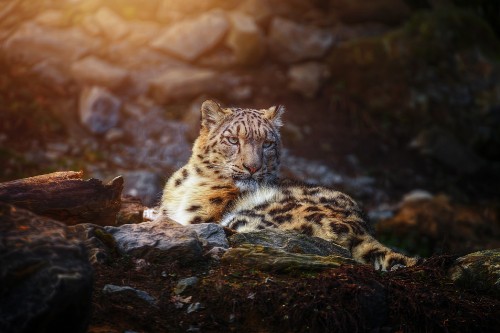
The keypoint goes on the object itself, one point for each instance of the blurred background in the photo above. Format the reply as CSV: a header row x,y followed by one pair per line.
x,y
396,102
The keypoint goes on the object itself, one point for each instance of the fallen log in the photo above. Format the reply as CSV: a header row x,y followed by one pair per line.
x,y
66,197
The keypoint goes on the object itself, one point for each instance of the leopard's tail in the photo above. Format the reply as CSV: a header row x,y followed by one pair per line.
x,y
369,251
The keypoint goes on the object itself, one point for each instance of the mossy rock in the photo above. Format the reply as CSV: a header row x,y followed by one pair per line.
x,y
479,271
289,241
275,260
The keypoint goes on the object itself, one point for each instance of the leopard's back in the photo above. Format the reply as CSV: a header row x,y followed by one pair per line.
x,y
315,211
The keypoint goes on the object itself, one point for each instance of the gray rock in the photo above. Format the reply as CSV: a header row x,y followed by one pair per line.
x,y
99,109
478,270
194,307
184,82
307,78
210,233
191,38
144,185
184,284
289,241
45,277
111,24
32,43
157,241
113,289
292,42
94,71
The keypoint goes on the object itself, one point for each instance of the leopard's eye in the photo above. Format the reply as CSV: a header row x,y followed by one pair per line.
x,y
267,143
233,140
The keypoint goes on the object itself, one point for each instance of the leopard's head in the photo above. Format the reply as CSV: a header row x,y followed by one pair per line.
x,y
242,145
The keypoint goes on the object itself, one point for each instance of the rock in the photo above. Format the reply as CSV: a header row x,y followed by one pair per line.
x,y
182,83
142,32
32,43
275,260
416,195
111,24
245,39
307,78
157,241
99,109
445,147
131,211
145,185
292,42
478,270
45,277
96,241
289,241
94,71
184,284
111,289
51,18
191,38
194,307
210,233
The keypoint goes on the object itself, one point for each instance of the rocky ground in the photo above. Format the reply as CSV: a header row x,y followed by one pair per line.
x,y
395,102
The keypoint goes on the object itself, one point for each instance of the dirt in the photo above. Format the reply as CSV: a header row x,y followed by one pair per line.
x,y
239,299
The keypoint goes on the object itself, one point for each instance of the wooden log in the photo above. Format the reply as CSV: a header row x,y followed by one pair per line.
x,y
66,197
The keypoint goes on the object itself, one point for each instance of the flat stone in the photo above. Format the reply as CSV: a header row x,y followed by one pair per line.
x,y
99,109
45,277
179,83
95,71
307,78
111,24
32,43
289,241
157,241
276,260
479,270
245,38
292,42
113,289
190,38
211,234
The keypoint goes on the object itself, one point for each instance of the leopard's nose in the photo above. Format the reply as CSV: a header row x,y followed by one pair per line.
x,y
252,168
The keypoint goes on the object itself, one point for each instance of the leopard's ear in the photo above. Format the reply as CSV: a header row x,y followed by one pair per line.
x,y
274,115
212,114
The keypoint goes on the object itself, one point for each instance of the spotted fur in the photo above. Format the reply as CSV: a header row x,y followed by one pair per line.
x,y
231,179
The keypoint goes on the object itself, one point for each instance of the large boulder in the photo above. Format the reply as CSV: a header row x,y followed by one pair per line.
x,y
179,83
45,277
191,38
32,43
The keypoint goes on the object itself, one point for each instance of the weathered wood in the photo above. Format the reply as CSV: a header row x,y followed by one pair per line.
x,y
66,197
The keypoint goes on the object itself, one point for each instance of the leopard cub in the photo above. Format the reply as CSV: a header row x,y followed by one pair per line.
x,y
232,179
